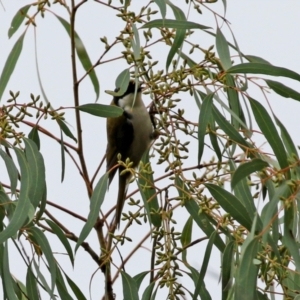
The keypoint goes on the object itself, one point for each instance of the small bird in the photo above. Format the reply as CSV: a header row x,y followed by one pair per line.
x,y
129,135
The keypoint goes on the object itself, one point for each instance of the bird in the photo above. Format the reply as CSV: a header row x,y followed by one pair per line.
x,y
129,135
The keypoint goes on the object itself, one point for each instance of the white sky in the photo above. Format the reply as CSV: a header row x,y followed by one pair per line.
x,y
269,29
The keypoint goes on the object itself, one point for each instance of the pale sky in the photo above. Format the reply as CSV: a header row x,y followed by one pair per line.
x,y
269,29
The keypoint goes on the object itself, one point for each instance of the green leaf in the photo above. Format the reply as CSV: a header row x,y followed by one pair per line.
x,y
223,50
231,205
230,130
130,290
267,127
200,218
37,172
246,169
8,283
18,20
242,191
256,59
186,236
10,63
263,68
63,126
121,84
83,56
135,43
162,7
204,266
245,280
204,118
31,285
101,110
23,205
11,169
287,140
180,24
179,35
77,292
59,233
148,193
61,286
95,204
227,266
139,278
283,90
63,158
34,136
203,293
148,291
42,242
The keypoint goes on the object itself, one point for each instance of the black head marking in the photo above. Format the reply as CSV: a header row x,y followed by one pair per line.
x,y
130,90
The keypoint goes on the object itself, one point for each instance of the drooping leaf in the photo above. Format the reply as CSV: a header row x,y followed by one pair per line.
x,y
11,169
34,136
77,292
59,233
267,127
245,280
135,43
203,292
204,118
227,272
148,291
178,24
63,126
10,63
282,89
31,285
148,193
130,290
63,158
223,49
162,7
121,83
247,169
18,20
101,110
61,286
43,243
263,68
231,205
23,205
82,55
204,266
139,278
95,204
37,172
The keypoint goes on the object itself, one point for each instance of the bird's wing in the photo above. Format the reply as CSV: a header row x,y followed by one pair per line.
x,y
120,135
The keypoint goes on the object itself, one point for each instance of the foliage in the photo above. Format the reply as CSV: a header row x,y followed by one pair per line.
x,y
244,200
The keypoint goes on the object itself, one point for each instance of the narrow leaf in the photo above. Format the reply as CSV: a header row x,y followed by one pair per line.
x,y
11,169
10,63
18,20
42,242
263,68
83,56
34,136
204,266
162,7
148,193
59,233
256,59
267,127
130,290
101,110
204,118
23,206
186,236
63,158
61,286
31,285
177,24
231,205
223,49
139,278
203,293
283,90
148,291
95,204
247,169
63,126
227,272
245,280
77,292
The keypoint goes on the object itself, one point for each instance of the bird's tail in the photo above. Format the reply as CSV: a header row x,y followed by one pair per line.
x,y
123,186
